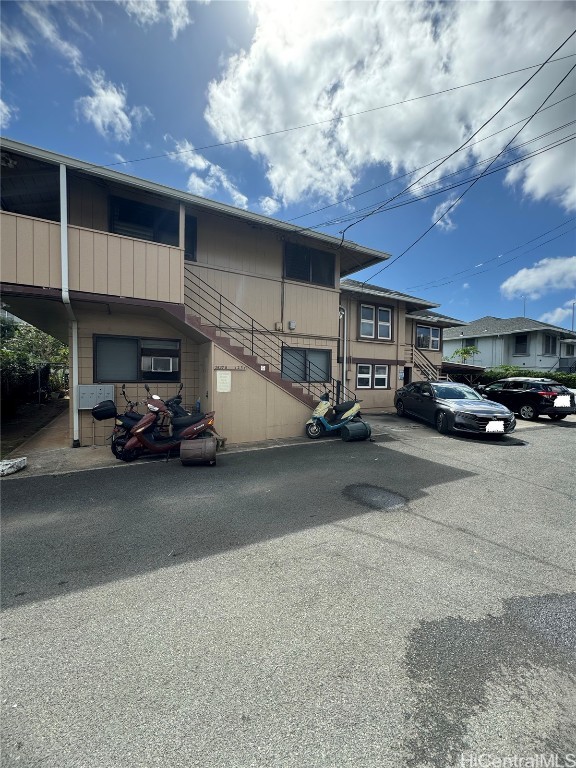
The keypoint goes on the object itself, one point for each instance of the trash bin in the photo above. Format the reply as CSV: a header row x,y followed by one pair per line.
x,y
355,430
200,450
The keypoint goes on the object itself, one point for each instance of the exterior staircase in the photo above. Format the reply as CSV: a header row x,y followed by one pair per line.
x,y
251,343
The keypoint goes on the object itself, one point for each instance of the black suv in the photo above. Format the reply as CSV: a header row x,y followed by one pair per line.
x,y
530,398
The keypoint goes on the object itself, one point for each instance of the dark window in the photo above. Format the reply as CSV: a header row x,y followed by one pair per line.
x,y
549,344
468,342
143,221
306,364
308,265
570,350
427,338
190,237
521,344
126,359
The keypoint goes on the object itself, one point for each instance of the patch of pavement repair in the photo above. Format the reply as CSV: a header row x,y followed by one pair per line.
x,y
374,497
516,671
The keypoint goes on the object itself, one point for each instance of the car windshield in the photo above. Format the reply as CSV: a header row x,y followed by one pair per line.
x,y
461,392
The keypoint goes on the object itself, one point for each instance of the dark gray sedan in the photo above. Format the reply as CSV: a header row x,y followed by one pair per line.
x,y
453,407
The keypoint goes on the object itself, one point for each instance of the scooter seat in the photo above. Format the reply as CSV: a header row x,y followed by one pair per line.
x,y
343,407
180,422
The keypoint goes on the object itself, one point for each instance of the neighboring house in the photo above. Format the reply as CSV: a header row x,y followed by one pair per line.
x,y
151,285
390,338
516,341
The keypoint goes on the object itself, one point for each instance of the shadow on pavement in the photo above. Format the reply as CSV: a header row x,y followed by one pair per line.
x,y
69,532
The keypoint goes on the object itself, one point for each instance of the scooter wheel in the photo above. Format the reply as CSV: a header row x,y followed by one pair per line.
x,y
120,452
130,455
314,430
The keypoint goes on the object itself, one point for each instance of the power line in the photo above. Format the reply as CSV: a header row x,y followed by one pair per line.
x,y
384,208
516,92
332,119
455,202
431,284
409,173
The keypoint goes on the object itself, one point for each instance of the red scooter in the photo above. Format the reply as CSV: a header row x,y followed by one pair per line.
x,y
149,435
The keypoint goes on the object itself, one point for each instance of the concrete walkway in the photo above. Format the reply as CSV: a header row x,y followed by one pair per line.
x,y
49,451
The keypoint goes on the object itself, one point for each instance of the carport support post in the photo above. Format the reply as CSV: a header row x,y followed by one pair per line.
x,y
66,302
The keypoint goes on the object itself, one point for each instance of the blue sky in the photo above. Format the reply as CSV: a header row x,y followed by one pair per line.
x,y
119,82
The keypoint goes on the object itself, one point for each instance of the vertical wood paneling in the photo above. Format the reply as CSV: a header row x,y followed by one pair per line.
x,y
8,246
163,269
100,263
126,267
176,276
73,259
86,260
41,266
25,251
139,269
55,268
151,271
114,266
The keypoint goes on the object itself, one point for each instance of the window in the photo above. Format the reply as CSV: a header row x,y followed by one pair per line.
x,y
307,265
375,322
143,221
521,344
468,342
427,338
190,237
370,376
549,344
126,358
306,364
569,350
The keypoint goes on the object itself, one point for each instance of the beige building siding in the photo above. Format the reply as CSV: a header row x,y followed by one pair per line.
x,y
121,266
254,409
37,244
89,323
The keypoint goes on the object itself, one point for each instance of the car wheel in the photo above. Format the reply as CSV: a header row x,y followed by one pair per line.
x,y
442,423
528,412
314,430
557,416
400,408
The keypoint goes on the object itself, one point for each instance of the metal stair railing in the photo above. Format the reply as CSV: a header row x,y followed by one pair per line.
x,y
424,365
218,312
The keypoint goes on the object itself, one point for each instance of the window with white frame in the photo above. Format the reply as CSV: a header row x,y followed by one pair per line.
x,y
375,322
569,350
427,337
371,376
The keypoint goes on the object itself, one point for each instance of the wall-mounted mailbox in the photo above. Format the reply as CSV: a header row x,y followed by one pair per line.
x,y
90,395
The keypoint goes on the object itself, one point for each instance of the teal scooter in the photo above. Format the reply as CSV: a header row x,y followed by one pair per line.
x,y
329,419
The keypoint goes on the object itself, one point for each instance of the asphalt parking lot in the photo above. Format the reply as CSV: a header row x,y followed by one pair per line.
x,y
404,602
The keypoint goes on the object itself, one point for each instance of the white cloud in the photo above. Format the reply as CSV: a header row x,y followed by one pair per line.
x,y
446,210
269,206
148,12
466,286
7,113
559,315
108,110
206,179
14,44
39,17
311,62
554,274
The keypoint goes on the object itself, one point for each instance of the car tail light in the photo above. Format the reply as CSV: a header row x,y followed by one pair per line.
x,y
546,394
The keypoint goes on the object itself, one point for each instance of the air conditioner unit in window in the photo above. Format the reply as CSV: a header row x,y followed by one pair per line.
x,y
162,364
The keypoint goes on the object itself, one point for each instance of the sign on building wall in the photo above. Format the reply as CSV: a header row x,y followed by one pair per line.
x,y
223,381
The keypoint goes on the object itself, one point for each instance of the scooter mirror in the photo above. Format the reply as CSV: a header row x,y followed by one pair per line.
x,y
156,397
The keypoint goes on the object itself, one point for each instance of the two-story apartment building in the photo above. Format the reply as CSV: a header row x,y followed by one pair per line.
x,y
515,341
151,285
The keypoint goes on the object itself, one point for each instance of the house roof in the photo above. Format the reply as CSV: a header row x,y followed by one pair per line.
x,y
497,326
353,257
436,318
363,289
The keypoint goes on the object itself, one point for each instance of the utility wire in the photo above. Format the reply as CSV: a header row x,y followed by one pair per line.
x,y
516,92
334,119
410,173
412,200
430,284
